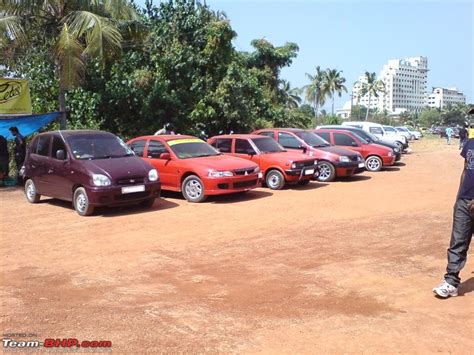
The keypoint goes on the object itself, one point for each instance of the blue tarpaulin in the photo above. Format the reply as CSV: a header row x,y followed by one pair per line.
x,y
26,124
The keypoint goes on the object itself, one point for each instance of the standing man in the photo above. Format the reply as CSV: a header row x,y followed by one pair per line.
x,y
462,136
449,134
463,226
20,150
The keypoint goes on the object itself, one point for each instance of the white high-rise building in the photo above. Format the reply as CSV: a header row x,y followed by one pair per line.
x,y
441,97
405,86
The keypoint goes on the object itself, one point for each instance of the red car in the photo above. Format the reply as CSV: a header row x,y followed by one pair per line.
x,y
191,166
332,161
277,165
375,155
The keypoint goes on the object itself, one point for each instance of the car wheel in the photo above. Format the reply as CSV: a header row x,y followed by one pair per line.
x,y
399,146
304,182
81,202
148,203
327,172
193,189
373,163
275,180
30,192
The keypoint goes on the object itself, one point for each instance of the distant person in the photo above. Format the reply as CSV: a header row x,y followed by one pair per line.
x,y
449,134
463,226
167,129
462,136
4,158
20,150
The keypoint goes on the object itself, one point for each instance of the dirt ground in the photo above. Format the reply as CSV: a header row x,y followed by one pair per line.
x,y
345,267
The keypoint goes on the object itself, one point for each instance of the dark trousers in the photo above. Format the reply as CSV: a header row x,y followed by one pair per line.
x,y
19,159
463,227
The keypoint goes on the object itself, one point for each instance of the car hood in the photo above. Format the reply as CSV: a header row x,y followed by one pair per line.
x,y
338,150
284,157
221,162
118,167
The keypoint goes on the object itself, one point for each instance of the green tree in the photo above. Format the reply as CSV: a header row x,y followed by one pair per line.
x,y
291,95
72,32
315,90
371,86
333,83
429,117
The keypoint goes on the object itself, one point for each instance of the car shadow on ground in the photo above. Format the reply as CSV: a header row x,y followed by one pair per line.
x,y
311,186
239,197
160,204
354,178
391,168
399,163
466,287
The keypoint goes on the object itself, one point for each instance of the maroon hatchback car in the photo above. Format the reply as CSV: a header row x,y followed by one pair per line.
x,y
89,168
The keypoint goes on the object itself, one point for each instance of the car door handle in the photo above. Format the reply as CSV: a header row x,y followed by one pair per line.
x,y
33,166
50,171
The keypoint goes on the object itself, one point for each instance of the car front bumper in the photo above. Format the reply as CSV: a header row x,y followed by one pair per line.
x,y
300,174
114,195
232,184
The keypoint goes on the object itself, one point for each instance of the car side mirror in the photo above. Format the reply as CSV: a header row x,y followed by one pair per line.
x,y
165,156
60,154
303,148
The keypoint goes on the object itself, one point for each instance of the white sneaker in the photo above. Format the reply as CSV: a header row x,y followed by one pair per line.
x,y
445,290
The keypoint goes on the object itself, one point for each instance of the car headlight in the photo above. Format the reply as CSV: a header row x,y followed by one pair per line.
x,y
257,170
344,159
390,153
100,180
293,165
217,174
153,175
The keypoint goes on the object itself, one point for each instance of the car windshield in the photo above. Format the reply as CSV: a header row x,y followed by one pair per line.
x,y
268,145
192,148
312,139
97,146
401,129
362,140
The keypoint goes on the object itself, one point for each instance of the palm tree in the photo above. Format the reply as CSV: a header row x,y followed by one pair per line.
x,y
315,91
291,96
79,30
333,83
371,86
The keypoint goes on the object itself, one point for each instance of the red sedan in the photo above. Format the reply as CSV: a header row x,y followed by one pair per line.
x,y
193,167
376,156
332,161
277,165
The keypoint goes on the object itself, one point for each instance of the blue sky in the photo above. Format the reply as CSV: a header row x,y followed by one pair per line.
x,y
361,36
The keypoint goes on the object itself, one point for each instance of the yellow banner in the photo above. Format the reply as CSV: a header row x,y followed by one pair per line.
x,y
14,97
185,140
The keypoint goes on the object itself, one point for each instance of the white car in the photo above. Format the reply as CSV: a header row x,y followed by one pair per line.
x,y
405,132
378,130
413,131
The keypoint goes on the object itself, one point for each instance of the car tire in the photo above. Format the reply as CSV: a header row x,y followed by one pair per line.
x,y
275,180
148,203
399,146
327,171
193,189
81,202
31,194
304,182
373,163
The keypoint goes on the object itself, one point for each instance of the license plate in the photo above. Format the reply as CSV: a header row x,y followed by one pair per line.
x,y
131,189
309,172
361,165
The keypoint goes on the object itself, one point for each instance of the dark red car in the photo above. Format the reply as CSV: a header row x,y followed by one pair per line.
x,y
89,168
332,161
277,165
376,156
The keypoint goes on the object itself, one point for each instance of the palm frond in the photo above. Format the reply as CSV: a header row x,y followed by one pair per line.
x,y
71,61
11,29
120,10
99,32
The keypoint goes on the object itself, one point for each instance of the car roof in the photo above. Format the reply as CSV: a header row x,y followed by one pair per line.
x,y
75,132
167,137
332,130
242,136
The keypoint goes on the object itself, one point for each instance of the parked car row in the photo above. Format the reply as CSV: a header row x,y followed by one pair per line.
x,y
94,168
